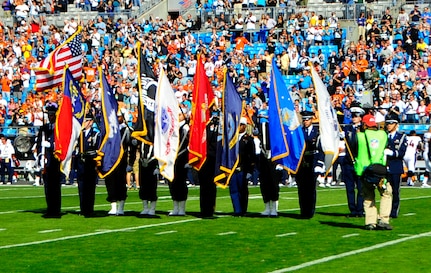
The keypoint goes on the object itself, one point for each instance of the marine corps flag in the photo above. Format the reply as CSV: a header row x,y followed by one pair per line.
x,y
69,120
143,130
111,148
203,99
166,130
328,122
286,138
228,150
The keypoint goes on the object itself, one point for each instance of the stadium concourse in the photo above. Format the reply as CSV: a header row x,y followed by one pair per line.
x,y
386,64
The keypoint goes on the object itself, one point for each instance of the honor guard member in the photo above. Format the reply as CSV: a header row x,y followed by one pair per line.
x,y
355,200
371,146
51,171
178,187
238,186
116,184
311,167
413,143
208,189
89,143
397,145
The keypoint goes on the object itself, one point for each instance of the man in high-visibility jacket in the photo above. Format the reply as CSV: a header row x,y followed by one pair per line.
x,y
371,146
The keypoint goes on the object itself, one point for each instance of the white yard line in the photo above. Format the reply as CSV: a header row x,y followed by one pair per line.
x,y
285,234
350,235
165,232
50,230
98,233
227,233
350,253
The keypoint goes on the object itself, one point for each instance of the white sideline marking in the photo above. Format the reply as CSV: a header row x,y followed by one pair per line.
x,y
350,253
2,229
97,233
49,230
285,234
350,235
227,233
166,232
409,214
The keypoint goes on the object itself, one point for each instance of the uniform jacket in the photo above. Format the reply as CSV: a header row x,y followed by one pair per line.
x,y
398,145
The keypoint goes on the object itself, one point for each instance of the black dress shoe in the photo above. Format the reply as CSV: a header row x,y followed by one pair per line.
x,y
370,227
51,215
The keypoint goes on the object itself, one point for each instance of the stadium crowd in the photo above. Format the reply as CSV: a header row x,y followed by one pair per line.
x,y
389,57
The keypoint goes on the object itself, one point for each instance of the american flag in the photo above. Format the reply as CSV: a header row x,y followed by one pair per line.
x,y
49,72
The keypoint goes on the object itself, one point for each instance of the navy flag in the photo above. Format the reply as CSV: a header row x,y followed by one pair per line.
x,y
111,149
286,137
228,148
143,130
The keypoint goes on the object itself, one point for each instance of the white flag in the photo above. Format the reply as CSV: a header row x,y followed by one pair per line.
x,y
328,122
166,131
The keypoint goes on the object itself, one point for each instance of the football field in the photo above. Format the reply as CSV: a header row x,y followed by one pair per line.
x,y
329,242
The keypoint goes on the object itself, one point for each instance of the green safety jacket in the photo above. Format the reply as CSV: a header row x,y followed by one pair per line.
x,y
377,142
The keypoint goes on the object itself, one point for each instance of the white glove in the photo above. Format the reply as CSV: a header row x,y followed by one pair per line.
x,y
279,167
156,171
319,169
248,176
388,152
187,166
321,179
46,144
342,134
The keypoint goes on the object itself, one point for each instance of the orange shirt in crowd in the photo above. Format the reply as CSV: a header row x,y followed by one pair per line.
x,y
5,84
240,43
90,74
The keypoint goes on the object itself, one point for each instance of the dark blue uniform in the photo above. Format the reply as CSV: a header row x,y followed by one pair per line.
x,y
398,145
86,170
178,187
355,200
306,177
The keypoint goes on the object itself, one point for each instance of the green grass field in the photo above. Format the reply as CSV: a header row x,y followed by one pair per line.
x,y
329,242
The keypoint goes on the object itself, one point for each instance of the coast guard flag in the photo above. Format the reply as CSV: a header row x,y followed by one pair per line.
x,y
328,122
68,124
166,127
111,148
49,71
286,136
143,130
203,99
228,151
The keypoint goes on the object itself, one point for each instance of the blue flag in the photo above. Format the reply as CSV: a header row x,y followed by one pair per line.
x,y
228,148
286,136
111,148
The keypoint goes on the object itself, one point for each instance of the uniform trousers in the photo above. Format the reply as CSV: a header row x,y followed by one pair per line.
x,y
178,186
269,180
238,189
52,187
208,189
355,200
148,181
115,182
306,181
87,180
395,180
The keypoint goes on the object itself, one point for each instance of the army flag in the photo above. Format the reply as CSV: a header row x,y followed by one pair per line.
x,y
203,99
111,148
143,130
328,122
166,127
68,124
285,133
228,151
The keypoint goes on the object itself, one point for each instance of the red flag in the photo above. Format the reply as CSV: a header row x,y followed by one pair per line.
x,y
203,99
49,71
